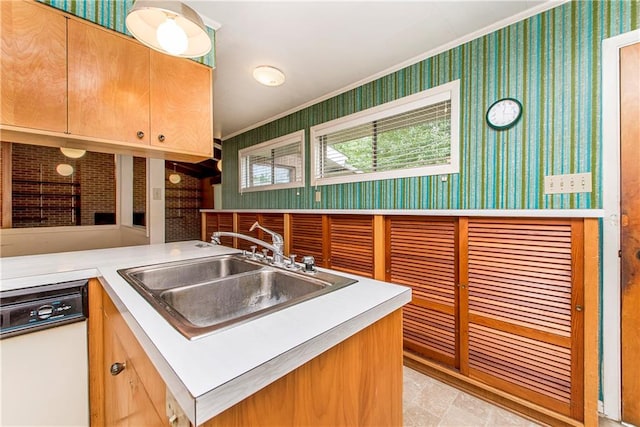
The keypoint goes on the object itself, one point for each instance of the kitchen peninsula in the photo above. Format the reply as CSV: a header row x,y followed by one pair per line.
x,y
333,359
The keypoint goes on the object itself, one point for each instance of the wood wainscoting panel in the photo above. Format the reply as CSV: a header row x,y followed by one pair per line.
x,y
307,237
351,244
421,253
355,383
523,289
244,223
218,222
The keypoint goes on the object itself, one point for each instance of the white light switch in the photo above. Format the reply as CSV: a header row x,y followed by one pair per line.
x,y
568,183
318,196
157,194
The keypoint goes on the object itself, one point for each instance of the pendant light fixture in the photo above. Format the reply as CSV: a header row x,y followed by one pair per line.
x,y
72,153
169,27
64,169
175,177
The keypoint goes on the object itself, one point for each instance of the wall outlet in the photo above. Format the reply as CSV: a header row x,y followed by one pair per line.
x,y
318,196
568,183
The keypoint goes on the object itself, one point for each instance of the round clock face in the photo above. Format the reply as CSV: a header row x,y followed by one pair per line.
x,y
504,113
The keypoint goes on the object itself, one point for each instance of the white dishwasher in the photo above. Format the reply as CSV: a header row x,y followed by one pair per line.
x,y
43,356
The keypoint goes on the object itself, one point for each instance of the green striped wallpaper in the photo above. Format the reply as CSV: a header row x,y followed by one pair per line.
x,y
111,14
550,62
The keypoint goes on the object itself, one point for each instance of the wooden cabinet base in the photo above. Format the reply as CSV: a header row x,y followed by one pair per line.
x,y
356,383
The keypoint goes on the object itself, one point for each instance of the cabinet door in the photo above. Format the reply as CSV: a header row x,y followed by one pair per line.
x,y
521,309
308,234
351,244
421,253
128,401
181,117
116,387
108,85
33,72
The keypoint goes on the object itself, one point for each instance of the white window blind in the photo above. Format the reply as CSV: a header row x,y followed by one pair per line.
x,y
414,136
278,163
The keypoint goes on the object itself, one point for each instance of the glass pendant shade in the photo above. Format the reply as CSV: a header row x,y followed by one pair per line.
x,y
169,27
72,153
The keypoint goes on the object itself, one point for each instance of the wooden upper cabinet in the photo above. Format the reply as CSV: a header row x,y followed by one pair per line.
x,y
108,85
33,71
181,100
63,78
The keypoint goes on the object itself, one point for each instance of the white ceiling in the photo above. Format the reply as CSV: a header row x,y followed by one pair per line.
x,y
326,46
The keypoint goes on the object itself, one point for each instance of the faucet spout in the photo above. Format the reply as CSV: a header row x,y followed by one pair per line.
x,y
275,237
278,257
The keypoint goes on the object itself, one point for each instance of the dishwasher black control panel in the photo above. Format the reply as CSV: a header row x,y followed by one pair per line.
x,y
39,307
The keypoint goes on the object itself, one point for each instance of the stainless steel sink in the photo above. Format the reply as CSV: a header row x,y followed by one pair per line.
x,y
192,272
198,297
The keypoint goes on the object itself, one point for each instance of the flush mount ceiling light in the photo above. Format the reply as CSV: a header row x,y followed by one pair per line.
x,y
268,75
73,153
169,27
64,169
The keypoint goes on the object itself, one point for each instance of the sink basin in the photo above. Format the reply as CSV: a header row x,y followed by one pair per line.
x,y
201,296
192,272
238,296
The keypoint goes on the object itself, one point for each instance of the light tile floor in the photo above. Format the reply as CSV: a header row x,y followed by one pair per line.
x,y
429,402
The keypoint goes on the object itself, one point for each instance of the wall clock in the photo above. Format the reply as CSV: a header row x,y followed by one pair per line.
x,y
504,113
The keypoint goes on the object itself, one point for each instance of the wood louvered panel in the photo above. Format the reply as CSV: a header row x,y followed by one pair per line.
x,y
522,331
211,225
307,237
521,273
245,221
351,244
219,222
430,332
421,253
225,223
529,365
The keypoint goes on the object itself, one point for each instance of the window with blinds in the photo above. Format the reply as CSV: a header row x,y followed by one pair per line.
x,y
413,136
274,164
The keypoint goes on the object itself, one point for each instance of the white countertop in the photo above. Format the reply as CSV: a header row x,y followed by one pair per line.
x,y
210,374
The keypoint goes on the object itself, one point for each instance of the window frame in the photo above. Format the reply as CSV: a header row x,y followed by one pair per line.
x,y
448,91
291,138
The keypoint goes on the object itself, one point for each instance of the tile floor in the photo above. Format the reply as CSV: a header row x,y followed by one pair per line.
x,y
429,402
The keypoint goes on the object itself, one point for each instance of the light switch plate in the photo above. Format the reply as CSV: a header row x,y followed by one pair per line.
x,y
318,196
568,183
157,194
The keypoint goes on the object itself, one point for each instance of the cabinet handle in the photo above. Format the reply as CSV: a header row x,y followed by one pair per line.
x,y
140,134
161,138
578,308
117,367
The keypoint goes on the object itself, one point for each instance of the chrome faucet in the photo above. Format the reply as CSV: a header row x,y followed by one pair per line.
x,y
277,247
